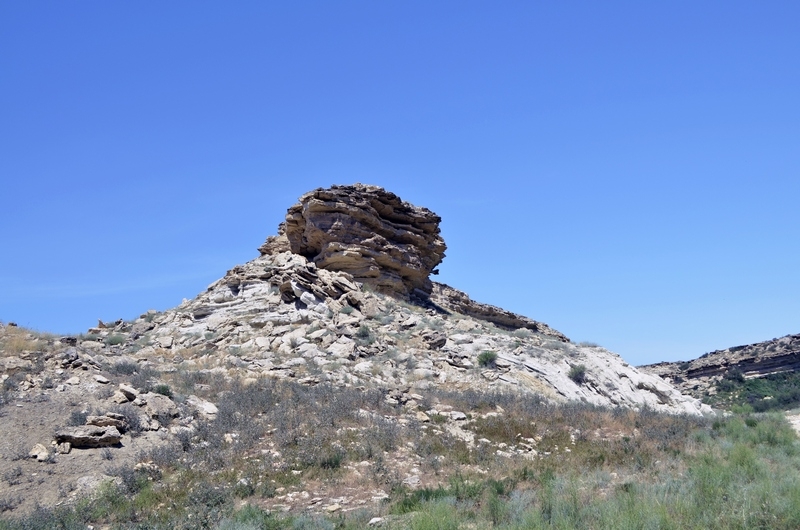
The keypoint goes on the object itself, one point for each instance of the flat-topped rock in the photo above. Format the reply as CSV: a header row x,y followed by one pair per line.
x,y
89,436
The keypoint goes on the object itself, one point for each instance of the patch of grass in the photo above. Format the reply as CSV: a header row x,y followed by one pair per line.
x,y
593,467
15,340
123,368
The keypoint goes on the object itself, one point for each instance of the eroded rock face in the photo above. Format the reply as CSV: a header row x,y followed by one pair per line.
x,y
460,302
367,232
753,360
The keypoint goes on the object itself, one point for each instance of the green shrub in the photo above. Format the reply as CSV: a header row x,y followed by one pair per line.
x,y
364,336
163,389
115,340
578,373
487,359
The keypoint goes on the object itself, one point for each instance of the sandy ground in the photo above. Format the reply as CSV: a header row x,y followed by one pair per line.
x,y
794,419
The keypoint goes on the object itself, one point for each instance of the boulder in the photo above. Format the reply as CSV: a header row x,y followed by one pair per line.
x,y
105,421
12,365
39,452
89,436
205,408
128,391
158,407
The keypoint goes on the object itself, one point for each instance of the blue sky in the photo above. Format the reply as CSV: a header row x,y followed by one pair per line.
x,y
627,172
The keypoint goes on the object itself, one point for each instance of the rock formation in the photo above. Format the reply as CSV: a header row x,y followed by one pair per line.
x,y
89,436
460,302
300,316
753,360
367,232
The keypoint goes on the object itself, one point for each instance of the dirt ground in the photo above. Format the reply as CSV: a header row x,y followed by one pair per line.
x,y
33,419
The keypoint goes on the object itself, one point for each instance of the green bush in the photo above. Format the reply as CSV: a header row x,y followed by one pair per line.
x,y
78,417
163,389
487,359
363,331
578,373
115,340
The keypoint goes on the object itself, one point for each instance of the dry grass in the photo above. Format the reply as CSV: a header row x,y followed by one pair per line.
x,y
18,340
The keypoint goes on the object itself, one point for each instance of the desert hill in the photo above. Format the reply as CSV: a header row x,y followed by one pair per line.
x,y
331,350
342,295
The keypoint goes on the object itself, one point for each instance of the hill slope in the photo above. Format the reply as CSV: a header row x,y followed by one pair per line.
x,y
327,352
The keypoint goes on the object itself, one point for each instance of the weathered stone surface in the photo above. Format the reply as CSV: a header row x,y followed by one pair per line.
x,y
12,365
460,302
39,452
105,421
159,407
368,232
89,436
435,340
205,408
128,391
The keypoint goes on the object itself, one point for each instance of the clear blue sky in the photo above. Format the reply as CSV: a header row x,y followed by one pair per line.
x,y
627,172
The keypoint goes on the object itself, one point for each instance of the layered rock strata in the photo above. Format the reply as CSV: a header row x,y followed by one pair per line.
x,y
753,360
460,302
367,232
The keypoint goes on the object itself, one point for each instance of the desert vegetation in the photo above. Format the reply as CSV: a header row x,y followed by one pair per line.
x,y
780,391
283,455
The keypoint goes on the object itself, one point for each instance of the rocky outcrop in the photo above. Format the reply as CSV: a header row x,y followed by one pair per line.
x,y
284,317
367,232
89,436
753,360
288,314
459,302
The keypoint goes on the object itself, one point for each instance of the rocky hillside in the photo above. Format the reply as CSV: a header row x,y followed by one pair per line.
x,y
340,304
700,376
350,303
